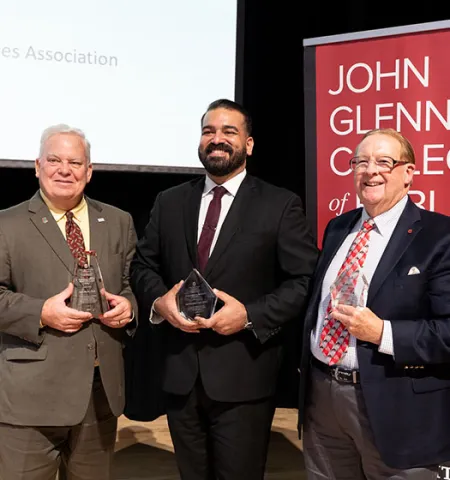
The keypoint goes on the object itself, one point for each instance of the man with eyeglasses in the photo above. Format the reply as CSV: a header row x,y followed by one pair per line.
x,y
61,370
375,368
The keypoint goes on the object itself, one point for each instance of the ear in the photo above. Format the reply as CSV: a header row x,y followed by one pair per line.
x,y
89,172
249,145
37,167
409,174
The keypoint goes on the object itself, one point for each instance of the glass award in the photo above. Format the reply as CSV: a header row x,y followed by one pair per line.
x,y
349,290
196,297
88,287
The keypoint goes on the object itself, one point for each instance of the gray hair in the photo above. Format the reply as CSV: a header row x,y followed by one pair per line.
x,y
63,128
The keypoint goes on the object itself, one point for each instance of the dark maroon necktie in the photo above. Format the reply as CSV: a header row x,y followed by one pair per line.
x,y
209,227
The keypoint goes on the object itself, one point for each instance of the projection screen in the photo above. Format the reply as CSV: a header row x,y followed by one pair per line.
x,y
135,75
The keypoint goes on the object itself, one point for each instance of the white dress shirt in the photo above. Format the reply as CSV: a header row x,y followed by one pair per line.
x,y
378,240
232,187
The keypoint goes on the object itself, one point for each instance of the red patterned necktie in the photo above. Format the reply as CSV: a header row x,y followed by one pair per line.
x,y
209,227
75,240
334,338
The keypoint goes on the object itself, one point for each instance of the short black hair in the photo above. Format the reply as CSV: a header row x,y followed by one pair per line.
x,y
230,105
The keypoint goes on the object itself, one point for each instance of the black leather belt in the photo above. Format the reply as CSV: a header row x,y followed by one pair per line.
x,y
342,375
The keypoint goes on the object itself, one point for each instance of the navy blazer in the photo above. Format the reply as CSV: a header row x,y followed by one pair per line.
x,y
407,395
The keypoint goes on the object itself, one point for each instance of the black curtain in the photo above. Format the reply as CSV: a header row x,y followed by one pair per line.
x,y
273,93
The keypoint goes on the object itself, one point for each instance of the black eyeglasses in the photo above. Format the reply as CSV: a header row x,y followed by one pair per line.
x,y
384,164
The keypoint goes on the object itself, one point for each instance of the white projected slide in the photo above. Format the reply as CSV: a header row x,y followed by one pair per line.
x,y
135,75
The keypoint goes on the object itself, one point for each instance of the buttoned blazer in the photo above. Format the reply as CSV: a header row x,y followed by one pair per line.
x,y
264,257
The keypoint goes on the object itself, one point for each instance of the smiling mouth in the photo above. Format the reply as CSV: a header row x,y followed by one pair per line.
x,y
218,152
373,184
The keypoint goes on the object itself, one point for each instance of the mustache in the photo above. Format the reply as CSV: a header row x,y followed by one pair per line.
x,y
218,146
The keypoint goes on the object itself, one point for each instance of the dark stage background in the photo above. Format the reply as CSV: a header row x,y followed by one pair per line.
x,y
272,92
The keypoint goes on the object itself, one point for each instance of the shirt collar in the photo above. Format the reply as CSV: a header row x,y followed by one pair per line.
x,y
386,222
231,185
58,214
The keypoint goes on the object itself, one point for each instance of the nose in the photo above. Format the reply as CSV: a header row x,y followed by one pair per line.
x,y
372,168
218,137
64,168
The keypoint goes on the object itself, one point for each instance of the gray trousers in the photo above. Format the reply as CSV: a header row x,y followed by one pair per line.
x,y
337,439
81,452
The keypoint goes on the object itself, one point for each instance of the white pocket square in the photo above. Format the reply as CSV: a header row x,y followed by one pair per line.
x,y
413,271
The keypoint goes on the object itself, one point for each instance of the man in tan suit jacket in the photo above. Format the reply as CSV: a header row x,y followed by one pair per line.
x,y
61,370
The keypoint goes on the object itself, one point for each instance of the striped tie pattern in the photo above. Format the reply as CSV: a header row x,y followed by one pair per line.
x,y
334,338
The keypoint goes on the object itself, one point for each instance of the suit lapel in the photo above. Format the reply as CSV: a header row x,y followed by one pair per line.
x,y
191,211
98,229
334,240
43,220
240,209
407,228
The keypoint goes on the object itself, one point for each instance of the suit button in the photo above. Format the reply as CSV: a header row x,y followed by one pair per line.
x,y
91,346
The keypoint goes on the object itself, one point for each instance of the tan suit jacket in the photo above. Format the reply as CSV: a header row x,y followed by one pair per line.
x,y
46,375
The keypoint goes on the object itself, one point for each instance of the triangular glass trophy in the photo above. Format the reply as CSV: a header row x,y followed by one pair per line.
x,y
196,297
349,289
88,288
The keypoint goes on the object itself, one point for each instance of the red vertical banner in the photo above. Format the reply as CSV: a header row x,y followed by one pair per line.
x,y
399,81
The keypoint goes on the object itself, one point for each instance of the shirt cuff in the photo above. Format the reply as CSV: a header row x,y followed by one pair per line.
x,y
154,317
387,342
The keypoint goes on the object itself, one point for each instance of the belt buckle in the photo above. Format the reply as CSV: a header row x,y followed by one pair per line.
x,y
344,376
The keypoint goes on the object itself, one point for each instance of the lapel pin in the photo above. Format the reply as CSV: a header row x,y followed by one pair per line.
x,y
410,230
44,220
101,219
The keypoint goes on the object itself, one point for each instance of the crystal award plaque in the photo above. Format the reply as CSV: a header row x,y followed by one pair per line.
x,y
196,297
347,290
88,288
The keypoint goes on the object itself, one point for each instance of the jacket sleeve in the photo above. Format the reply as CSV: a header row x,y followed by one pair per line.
x,y
146,280
427,340
19,313
296,257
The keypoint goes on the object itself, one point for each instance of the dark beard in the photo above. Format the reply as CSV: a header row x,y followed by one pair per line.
x,y
221,166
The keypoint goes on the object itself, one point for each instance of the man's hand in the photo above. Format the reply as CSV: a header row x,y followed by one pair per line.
x,y
166,307
231,318
120,313
361,322
56,314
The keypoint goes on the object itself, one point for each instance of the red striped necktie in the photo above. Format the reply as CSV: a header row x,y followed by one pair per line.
x,y
334,338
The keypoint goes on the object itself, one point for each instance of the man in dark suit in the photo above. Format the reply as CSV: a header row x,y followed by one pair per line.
x,y
375,374
253,245
61,369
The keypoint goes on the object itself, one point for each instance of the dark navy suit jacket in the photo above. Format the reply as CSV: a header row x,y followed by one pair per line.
x,y
407,395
